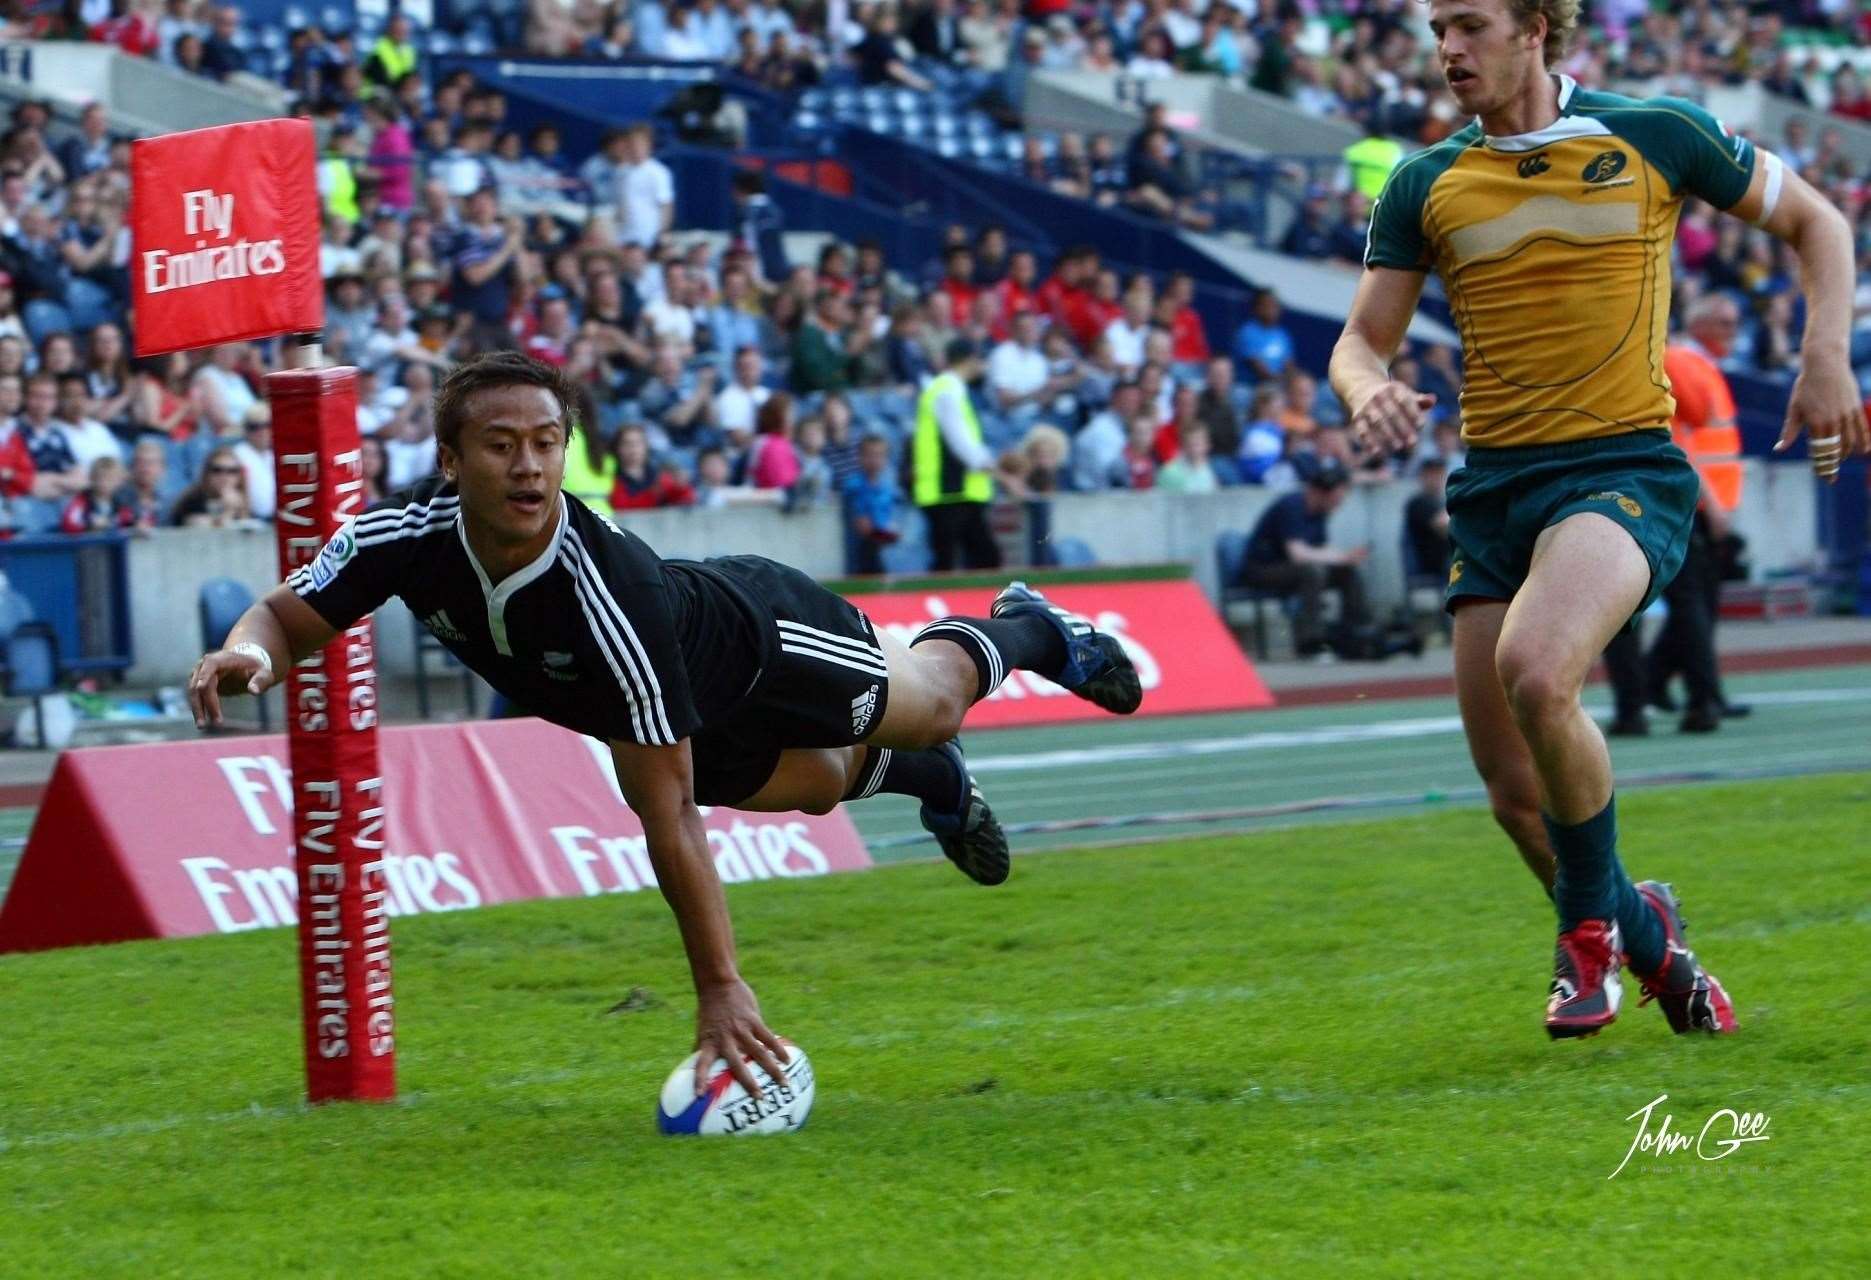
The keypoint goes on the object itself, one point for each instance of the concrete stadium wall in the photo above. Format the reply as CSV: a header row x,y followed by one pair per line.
x,y
1779,519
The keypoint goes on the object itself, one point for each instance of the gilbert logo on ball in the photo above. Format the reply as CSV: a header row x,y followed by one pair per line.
x,y
724,1108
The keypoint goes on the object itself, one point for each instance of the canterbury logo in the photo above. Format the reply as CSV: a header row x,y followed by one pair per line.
x,y
1534,166
863,707
443,628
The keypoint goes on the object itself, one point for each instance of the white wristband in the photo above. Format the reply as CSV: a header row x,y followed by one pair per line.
x,y
257,652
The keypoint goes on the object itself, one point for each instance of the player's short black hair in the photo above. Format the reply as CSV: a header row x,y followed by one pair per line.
x,y
498,369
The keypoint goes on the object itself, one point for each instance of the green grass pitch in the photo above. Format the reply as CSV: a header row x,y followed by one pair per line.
x,y
1306,1052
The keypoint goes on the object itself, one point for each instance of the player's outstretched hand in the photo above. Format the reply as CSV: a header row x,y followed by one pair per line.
x,y
1825,404
1392,418
728,1025
226,671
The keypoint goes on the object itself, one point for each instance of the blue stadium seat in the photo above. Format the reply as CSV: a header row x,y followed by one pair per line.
x,y
15,611
844,101
945,125
1013,146
292,17
477,44
1068,553
981,148
948,148
334,17
907,101
31,659
878,123
808,120
271,38
913,128
979,126
278,62
875,100
814,100
438,44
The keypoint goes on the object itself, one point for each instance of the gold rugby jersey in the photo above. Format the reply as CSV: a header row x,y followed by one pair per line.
x,y
1554,247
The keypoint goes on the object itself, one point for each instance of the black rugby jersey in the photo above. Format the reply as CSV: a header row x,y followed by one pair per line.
x,y
598,634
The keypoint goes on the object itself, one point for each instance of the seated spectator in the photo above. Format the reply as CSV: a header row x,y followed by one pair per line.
x,y
1155,58
677,401
873,501
737,403
1263,346
714,486
1158,187
1044,455
884,57
1192,470
409,437
1352,229
820,361
905,348
1179,318
89,438
815,472
58,474
1017,373
108,381
1311,232
1218,406
1127,332
227,399
733,319
958,283
221,54
1426,520
1299,396
1288,554
1263,444
218,498
841,450
256,454
1098,447
642,484
373,469
147,495
163,403
772,462
101,507
1067,398
1136,465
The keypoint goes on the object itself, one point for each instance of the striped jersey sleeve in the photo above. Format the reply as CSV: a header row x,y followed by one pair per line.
x,y
624,602
365,561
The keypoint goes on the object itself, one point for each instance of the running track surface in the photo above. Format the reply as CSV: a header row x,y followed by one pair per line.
x,y
1363,758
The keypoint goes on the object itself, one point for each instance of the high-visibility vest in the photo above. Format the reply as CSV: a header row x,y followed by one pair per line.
x,y
397,60
1370,161
1716,454
940,476
339,183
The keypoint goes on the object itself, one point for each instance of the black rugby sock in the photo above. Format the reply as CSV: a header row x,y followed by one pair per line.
x,y
1026,642
929,775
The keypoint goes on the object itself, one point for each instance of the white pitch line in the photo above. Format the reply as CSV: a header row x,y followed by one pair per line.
x,y
1322,736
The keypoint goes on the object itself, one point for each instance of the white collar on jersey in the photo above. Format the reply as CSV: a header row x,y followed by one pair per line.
x,y
1558,131
497,596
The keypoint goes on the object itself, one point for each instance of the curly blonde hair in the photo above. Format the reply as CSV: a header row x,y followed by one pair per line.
x,y
1562,20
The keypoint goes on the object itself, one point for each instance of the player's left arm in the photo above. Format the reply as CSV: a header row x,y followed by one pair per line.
x,y
658,782
1825,402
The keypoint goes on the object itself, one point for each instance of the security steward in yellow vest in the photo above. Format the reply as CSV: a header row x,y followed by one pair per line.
x,y
393,56
951,466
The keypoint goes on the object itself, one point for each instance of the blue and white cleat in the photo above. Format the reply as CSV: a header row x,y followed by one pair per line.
x,y
1096,667
971,837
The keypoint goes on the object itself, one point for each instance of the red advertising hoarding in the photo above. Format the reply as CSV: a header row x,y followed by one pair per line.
x,y
224,232
1185,656
182,838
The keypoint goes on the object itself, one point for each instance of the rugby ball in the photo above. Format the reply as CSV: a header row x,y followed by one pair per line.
x,y
724,1108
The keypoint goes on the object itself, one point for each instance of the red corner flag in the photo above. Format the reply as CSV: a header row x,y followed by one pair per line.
x,y
224,229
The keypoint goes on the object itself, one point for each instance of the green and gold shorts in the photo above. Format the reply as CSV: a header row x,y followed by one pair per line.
x,y
1502,499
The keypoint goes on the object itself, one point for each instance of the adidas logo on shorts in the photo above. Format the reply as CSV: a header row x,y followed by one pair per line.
x,y
863,707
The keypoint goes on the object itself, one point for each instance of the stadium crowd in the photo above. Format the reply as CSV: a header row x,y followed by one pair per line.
x,y
715,369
